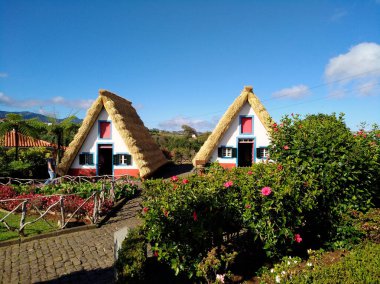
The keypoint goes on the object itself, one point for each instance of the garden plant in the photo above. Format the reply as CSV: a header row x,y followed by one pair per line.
x,y
319,171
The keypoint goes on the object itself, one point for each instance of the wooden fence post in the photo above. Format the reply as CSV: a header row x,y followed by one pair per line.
x,y
23,217
112,191
95,213
61,204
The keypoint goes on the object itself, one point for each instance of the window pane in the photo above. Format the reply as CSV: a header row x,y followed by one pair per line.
x,y
246,125
105,129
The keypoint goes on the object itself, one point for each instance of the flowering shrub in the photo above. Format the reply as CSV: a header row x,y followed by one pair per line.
x,y
184,224
338,169
321,170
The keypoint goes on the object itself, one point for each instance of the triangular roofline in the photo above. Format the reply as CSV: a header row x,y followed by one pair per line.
x,y
247,95
135,135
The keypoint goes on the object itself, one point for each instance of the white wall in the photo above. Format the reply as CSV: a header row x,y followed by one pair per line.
x,y
91,144
233,133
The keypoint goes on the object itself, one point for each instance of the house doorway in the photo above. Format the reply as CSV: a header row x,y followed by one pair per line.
x,y
105,159
245,152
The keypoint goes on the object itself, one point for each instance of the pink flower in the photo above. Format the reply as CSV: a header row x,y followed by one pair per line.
x,y
220,278
195,216
249,173
174,178
275,129
248,206
228,184
266,191
155,253
286,147
297,238
145,209
185,181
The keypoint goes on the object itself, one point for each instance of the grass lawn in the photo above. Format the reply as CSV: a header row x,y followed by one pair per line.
x,y
14,221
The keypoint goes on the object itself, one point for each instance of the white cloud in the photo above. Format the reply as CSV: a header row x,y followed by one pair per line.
x,y
58,100
198,124
358,70
295,92
362,60
3,75
4,99
367,88
338,14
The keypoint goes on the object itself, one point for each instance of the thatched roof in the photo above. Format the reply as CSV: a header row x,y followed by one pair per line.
x,y
145,152
224,123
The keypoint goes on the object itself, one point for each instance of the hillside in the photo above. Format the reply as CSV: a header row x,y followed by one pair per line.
x,y
29,115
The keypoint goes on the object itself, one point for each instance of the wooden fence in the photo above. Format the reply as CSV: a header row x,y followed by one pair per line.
x,y
28,205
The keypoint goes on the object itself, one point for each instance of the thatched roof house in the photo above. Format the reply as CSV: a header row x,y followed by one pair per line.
x,y
241,136
112,140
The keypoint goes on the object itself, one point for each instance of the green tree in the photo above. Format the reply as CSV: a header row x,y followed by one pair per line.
x,y
188,130
60,131
16,122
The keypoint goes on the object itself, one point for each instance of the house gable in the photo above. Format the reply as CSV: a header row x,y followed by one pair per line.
x,y
246,108
124,120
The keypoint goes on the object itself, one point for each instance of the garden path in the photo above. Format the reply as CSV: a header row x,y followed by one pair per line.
x,y
80,257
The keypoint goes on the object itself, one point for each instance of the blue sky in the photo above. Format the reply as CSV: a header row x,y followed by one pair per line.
x,y
184,62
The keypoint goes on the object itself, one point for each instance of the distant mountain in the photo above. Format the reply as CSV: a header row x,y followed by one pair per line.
x,y
29,115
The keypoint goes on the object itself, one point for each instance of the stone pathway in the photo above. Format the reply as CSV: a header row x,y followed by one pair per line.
x,y
80,257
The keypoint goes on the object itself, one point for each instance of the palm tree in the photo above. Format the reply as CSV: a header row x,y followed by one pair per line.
x,y
60,130
16,122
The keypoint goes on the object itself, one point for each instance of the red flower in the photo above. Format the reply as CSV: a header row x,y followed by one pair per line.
x,y
280,167
286,147
166,213
248,206
249,173
228,184
274,125
145,209
155,253
195,216
297,238
266,191
185,181
275,129
174,178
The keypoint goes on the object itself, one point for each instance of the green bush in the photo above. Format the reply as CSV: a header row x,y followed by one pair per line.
x,y
322,170
130,265
338,169
360,266
30,164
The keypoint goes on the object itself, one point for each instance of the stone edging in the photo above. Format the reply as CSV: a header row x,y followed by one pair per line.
x,y
60,232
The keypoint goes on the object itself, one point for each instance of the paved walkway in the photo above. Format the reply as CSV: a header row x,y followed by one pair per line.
x,y
81,257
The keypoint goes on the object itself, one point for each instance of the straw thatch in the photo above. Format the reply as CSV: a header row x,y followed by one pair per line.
x,y
135,135
224,123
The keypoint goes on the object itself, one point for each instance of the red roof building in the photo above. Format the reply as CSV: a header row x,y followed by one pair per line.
x,y
9,140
